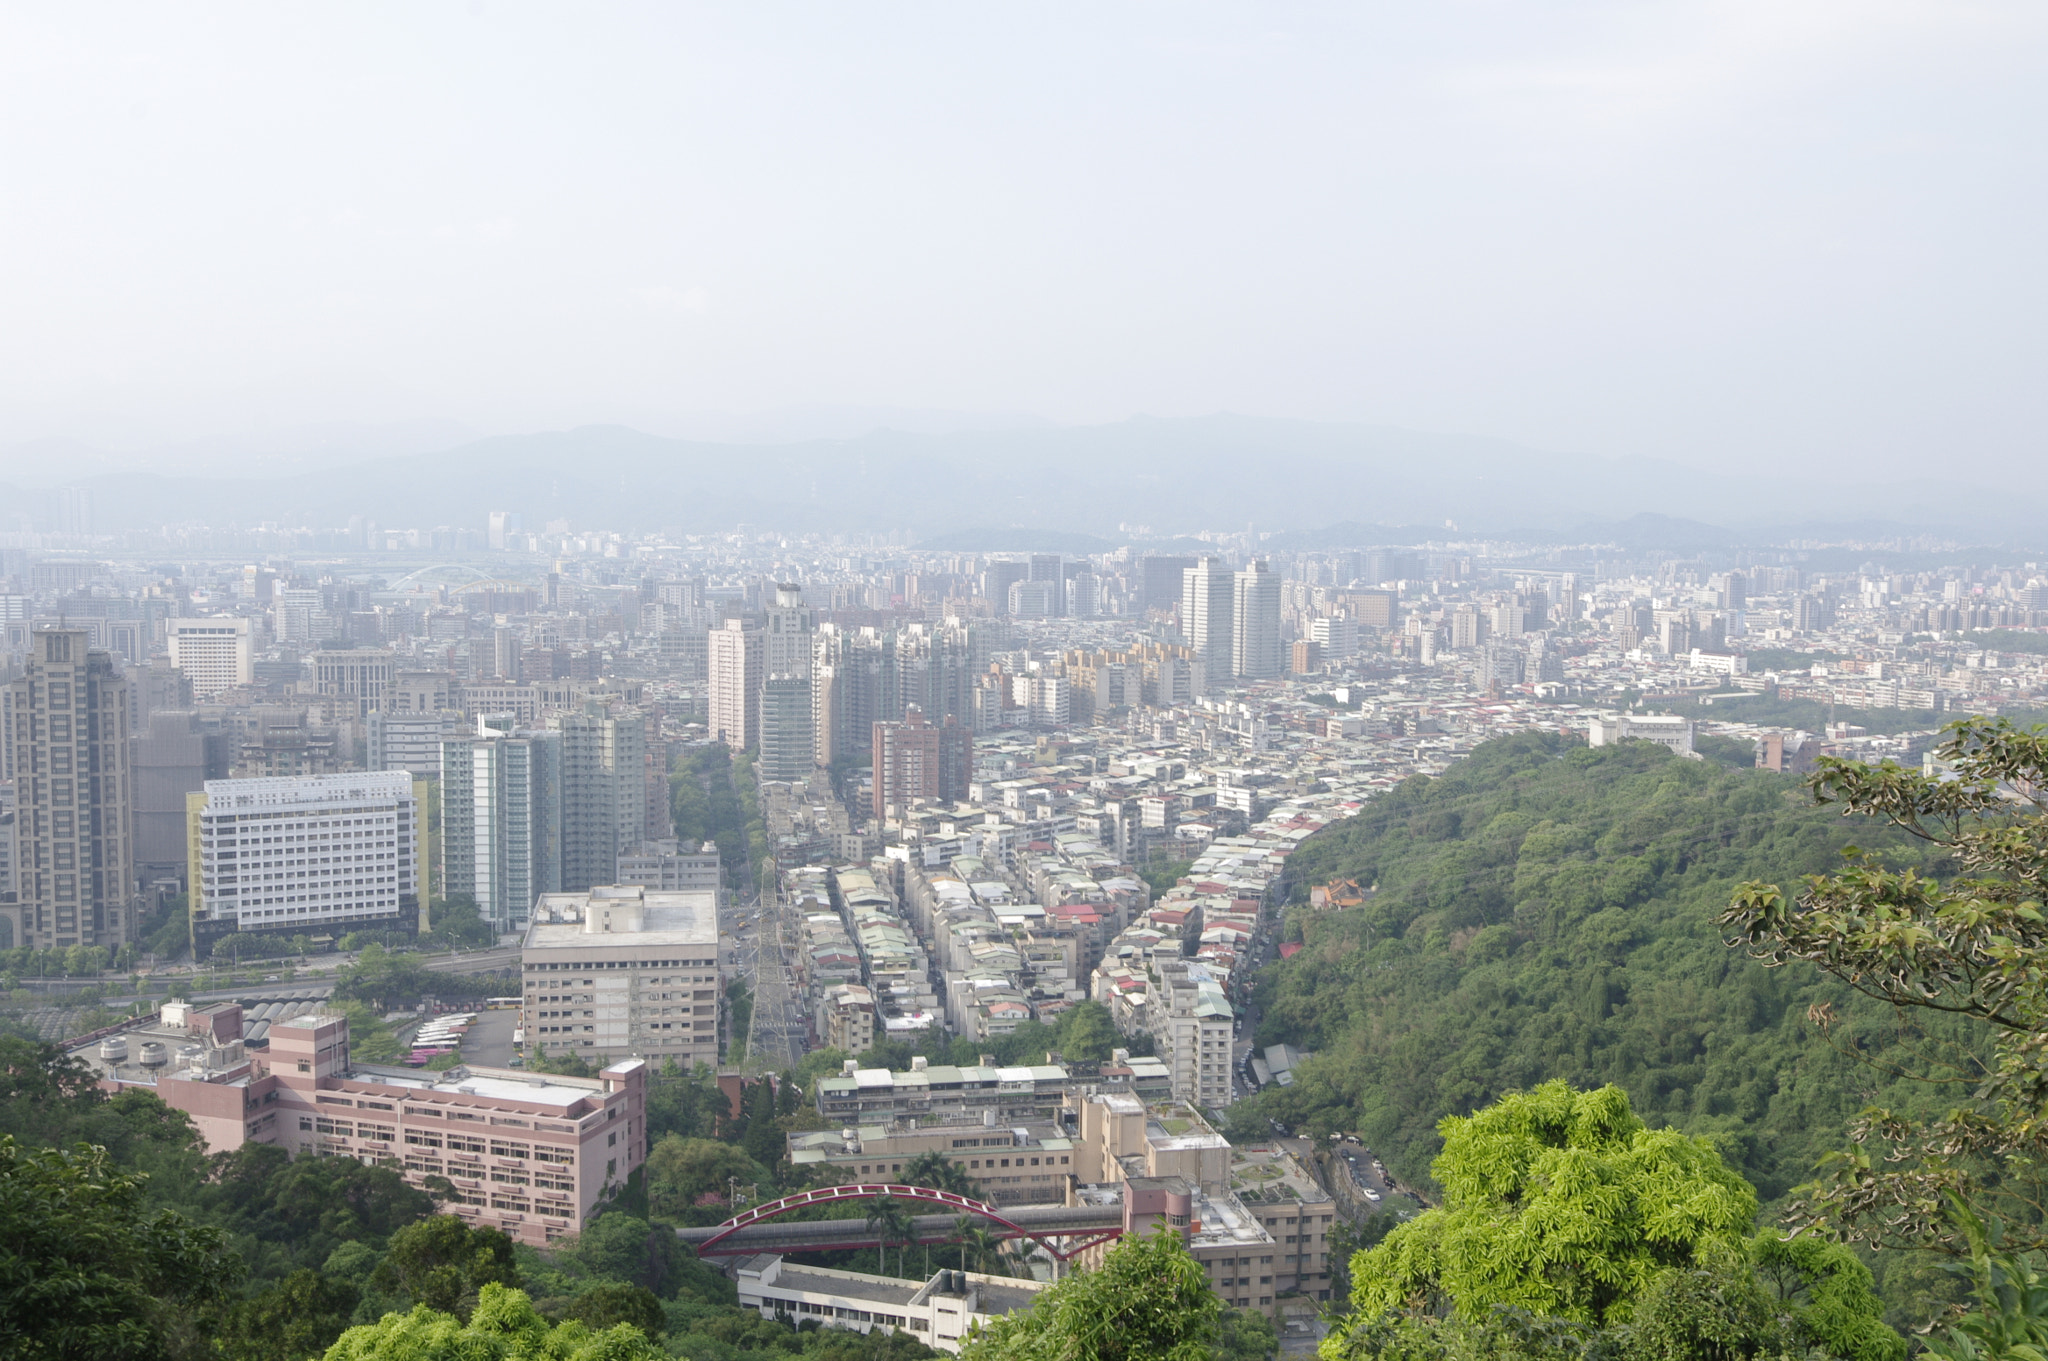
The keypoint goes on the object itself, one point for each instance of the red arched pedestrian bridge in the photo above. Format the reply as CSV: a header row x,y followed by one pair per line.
x,y
1063,1230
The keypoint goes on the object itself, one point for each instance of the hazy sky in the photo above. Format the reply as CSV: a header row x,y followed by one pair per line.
x,y
1765,235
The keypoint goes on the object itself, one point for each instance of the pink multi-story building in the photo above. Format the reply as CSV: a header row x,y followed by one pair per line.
x,y
530,1153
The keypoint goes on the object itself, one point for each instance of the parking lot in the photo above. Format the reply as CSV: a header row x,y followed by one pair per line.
x,y
489,1041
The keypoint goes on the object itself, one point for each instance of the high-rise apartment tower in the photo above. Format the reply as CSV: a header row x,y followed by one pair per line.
x,y
915,760
1206,607
1256,652
73,828
737,654
501,818
604,791
787,727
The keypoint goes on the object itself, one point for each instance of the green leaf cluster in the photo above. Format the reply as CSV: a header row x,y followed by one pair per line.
x,y
1571,1229
1149,1301
1969,949
391,980
1562,1203
504,1327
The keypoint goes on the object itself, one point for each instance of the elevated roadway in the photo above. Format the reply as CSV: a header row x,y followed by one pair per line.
x,y
819,1235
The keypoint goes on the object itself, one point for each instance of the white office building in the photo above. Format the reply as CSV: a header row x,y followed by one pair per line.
x,y
1257,652
1666,730
1336,635
666,866
790,631
213,654
325,853
1206,604
1192,1017
298,615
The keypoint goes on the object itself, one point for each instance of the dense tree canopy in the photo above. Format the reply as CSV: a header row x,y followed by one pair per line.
x,y
257,1192
1546,911
683,1101
456,922
681,1171
297,1317
1961,963
445,1264
706,806
87,1271
386,980
1149,1301
504,1327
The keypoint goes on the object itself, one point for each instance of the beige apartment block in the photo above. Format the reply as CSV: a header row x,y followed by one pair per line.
x,y
623,971
850,1018
1025,1164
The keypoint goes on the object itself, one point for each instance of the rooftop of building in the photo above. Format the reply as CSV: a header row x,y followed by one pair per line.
x,y
1219,1220
942,1076
1261,1174
825,1281
624,914
1176,1127
161,1048
175,1045
992,1294
1213,1221
260,792
496,1084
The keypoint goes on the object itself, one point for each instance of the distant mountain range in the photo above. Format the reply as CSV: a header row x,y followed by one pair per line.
x,y
1019,487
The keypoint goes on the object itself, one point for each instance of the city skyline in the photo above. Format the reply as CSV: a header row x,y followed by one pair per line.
x,y
866,641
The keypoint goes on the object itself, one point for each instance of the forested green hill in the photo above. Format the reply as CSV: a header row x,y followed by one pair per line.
x,y
1547,911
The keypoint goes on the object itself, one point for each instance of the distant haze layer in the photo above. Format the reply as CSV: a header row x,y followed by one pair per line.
x,y
1124,480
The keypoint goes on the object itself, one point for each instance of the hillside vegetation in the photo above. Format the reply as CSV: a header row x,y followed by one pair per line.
x,y
1546,911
